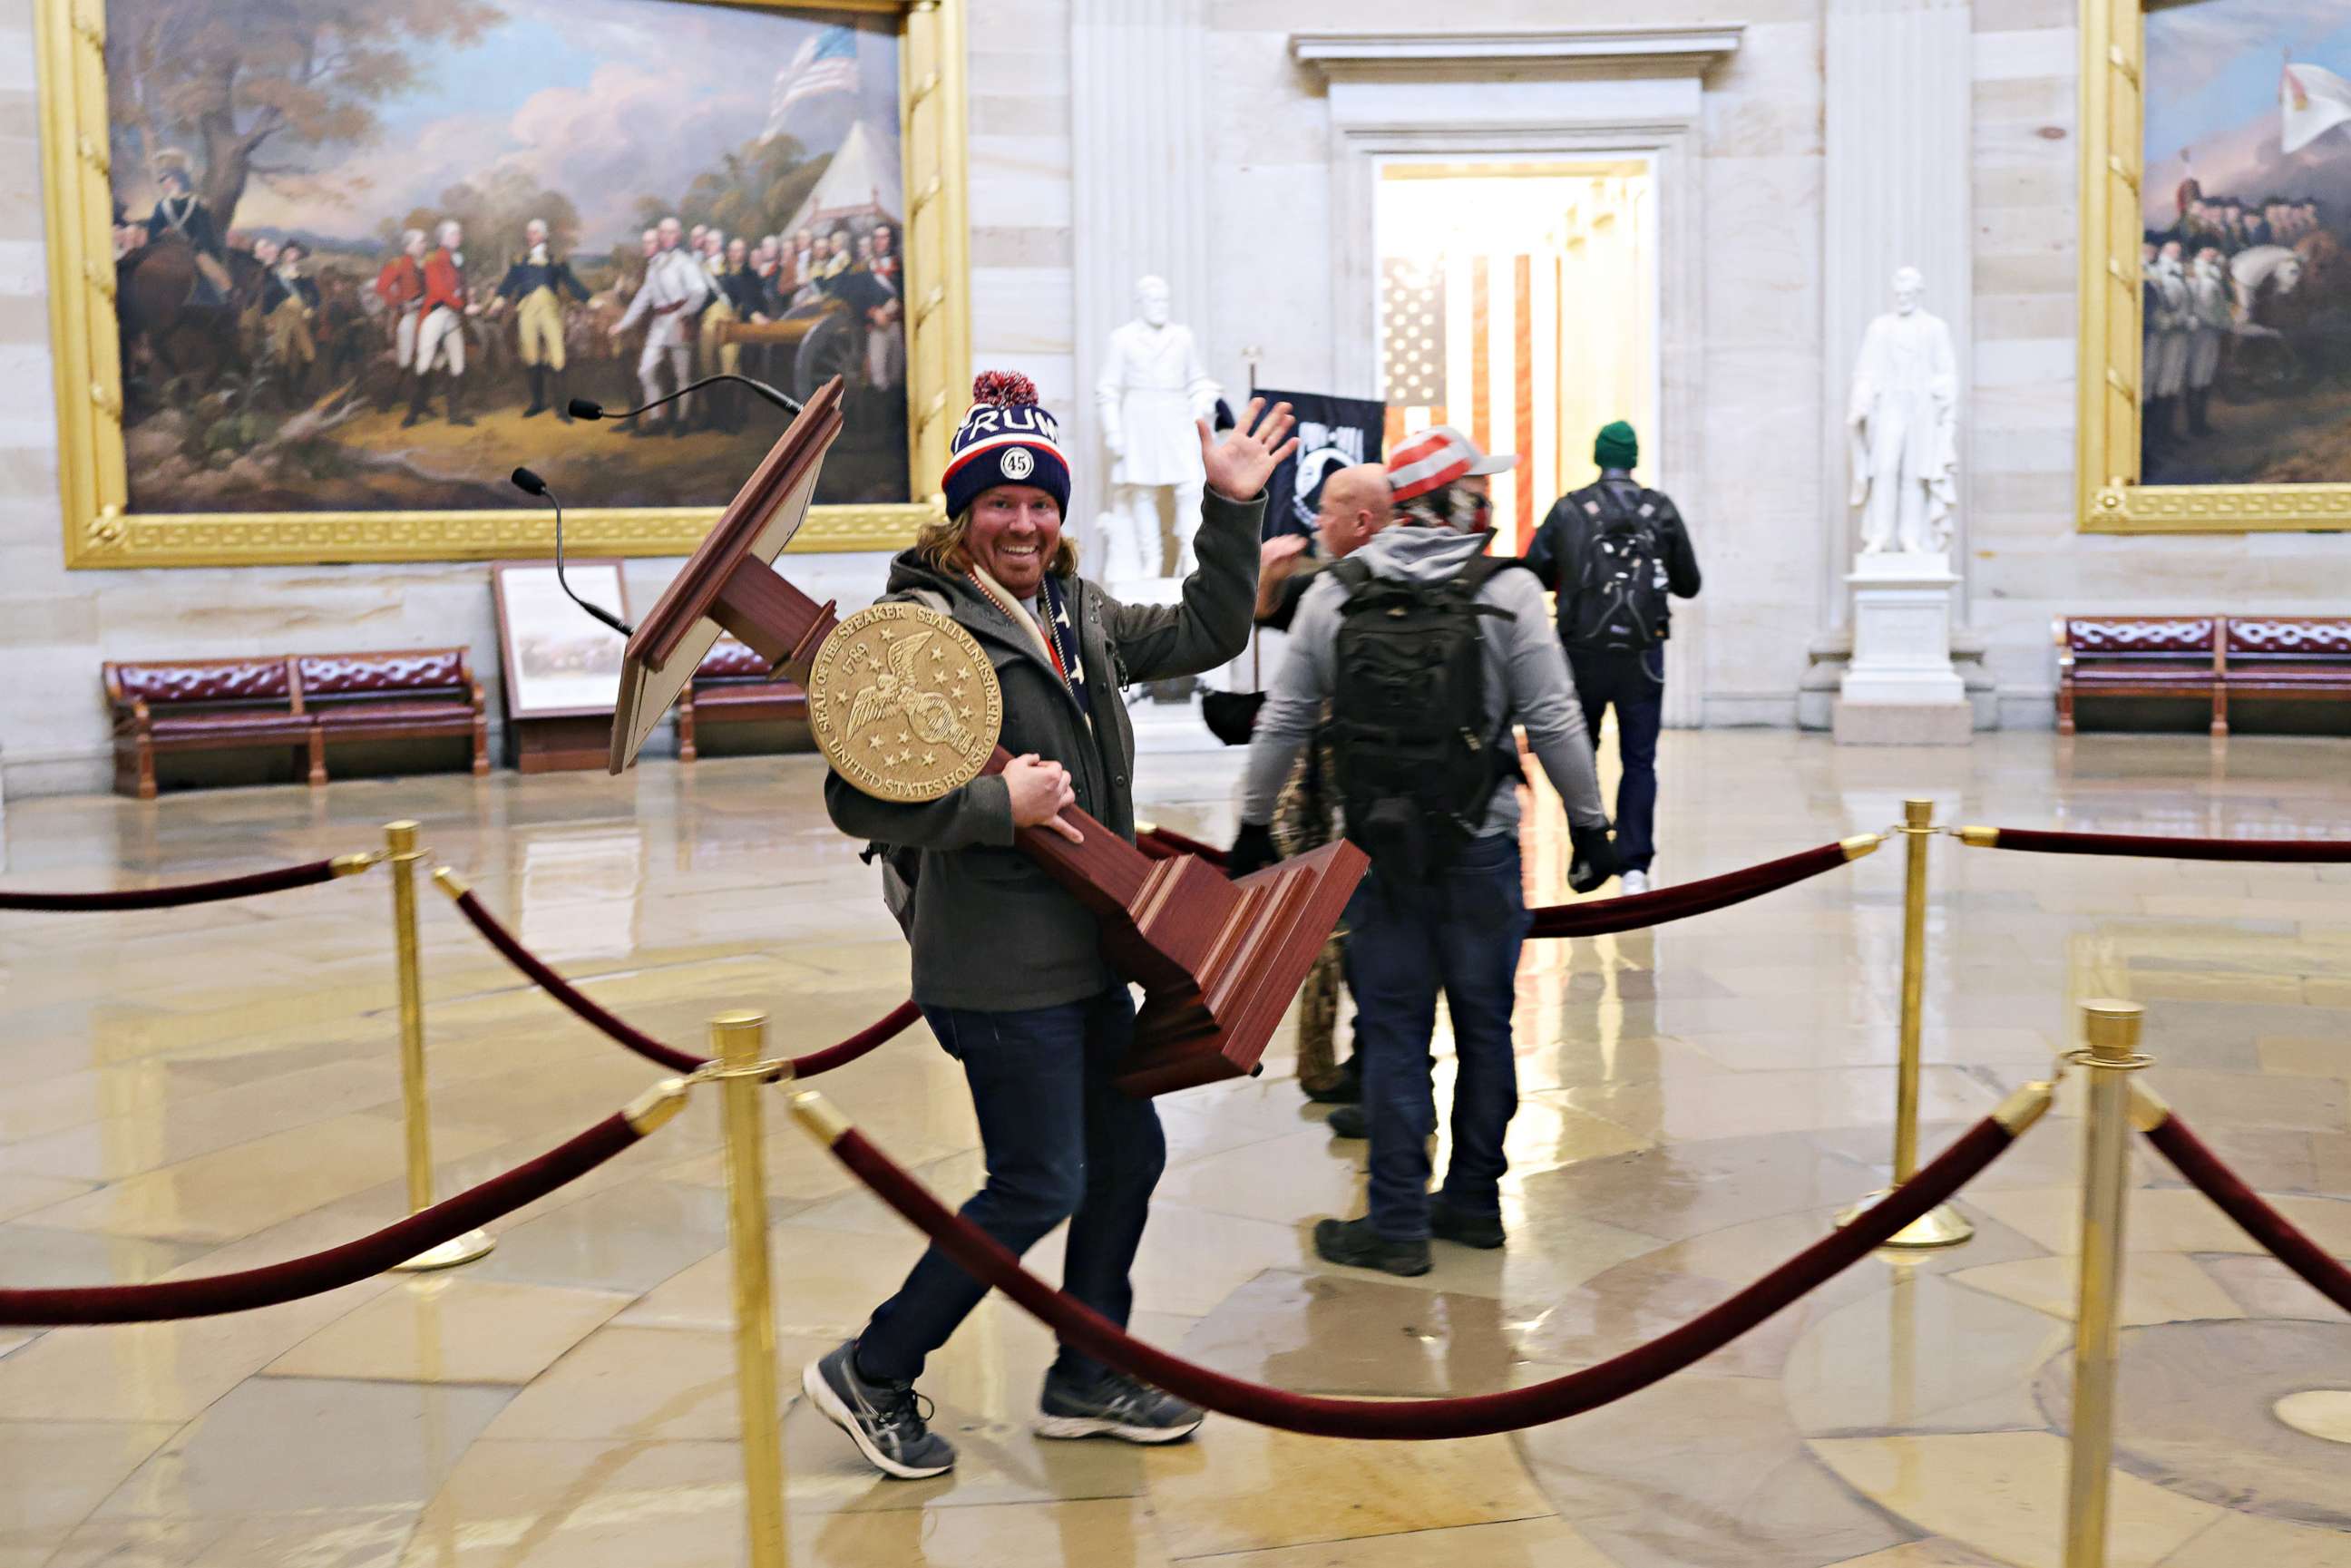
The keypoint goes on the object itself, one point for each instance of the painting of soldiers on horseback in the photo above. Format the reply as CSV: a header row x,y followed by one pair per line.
x,y
366,252
2245,276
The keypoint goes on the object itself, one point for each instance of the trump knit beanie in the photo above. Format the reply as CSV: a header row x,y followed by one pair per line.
x,y
1616,447
1004,439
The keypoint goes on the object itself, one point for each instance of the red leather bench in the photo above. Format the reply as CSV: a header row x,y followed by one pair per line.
x,y
198,705
2302,657
402,695
2208,657
733,685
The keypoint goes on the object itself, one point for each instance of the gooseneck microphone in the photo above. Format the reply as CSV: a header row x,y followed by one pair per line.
x,y
581,408
530,483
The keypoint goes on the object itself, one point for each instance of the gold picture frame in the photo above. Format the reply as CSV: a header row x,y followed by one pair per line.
x,y
2107,456
102,533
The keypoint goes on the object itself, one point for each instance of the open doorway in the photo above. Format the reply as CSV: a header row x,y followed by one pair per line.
x,y
1517,301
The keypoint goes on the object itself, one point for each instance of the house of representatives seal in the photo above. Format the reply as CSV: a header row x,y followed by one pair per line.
x,y
903,703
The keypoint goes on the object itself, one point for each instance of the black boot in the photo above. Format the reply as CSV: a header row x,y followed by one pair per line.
x,y
537,392
415,400
455,398
1353,1243
2200,410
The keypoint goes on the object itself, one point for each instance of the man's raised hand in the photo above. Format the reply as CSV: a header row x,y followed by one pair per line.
x,y
1239,466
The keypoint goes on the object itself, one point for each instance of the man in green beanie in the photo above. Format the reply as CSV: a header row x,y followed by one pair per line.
x,y
1612,552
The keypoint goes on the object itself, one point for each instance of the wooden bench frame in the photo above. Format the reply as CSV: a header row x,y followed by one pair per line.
x,y
2213,682
136,743
467,690
749,700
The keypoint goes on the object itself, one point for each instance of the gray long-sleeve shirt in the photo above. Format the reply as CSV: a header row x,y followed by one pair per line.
x,y
1526,674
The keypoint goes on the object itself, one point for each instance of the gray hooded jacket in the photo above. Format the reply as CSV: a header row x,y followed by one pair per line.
x,y
1526,674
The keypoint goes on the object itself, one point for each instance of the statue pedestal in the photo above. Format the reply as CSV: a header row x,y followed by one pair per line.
x,y
1901,689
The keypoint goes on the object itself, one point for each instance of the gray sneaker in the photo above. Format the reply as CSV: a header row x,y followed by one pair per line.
x,y
1114,1406
885,1420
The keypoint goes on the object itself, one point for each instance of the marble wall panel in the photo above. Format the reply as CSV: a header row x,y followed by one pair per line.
x,y
1273,278
1766,99
1763,247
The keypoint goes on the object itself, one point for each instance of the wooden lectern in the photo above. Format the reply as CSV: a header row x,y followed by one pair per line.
x,y
1219,961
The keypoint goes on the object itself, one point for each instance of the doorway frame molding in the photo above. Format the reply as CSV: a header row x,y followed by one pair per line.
x,y
1566,94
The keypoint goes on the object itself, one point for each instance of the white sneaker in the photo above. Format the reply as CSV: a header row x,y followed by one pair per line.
x,y
1633,882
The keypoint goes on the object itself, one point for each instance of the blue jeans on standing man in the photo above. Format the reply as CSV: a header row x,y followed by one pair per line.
x,y
1635,681
1062,1142
1460,933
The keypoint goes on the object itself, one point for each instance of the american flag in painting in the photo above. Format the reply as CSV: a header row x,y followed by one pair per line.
x,y
826,64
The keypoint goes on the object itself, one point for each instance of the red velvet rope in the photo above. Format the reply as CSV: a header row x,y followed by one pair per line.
x,y
2194,1159
1598,916
1465,1416
246,886
333,1268
889,1026
2039,842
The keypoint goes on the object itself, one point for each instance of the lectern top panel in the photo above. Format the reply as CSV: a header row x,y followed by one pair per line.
x,y
671,639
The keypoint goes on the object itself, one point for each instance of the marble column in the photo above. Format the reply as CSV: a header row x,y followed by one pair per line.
x,y
1897,126
1139,190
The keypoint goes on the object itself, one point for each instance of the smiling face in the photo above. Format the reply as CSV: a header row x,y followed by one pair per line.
x,y
1013,533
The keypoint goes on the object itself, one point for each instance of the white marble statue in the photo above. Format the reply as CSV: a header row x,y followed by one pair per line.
x,y
1152,388
1904,421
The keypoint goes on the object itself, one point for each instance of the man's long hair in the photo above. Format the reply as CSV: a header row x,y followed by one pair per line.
x,y
943,545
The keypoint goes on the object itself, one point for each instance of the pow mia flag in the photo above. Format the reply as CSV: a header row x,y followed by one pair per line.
x,y
1333,432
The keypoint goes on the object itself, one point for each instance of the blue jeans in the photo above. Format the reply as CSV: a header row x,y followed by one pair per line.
x,y
1635,682
1460,933
1061,1142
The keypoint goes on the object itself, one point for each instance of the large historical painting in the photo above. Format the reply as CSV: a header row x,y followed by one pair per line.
x,y
2216,372
2246,321
365,253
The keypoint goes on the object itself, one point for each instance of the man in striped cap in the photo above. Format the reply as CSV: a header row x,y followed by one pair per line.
x,y
1008,967
1429,651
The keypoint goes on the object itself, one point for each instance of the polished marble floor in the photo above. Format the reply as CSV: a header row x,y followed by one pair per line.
x,y
187,1091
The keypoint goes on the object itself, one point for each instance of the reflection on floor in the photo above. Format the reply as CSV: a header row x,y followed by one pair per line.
x,y
194,1091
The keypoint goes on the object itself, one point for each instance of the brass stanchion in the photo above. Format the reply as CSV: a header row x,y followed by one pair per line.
x,y
401,851
1941,1226
2112,1055
738,1040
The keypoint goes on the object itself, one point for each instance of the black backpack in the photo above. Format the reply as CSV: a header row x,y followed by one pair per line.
x,y
1415,769
1620,602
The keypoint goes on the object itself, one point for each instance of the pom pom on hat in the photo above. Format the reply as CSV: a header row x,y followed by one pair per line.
x,y
1002,389
1006,438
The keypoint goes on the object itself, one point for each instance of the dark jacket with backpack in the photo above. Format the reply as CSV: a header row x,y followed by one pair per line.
x,y
990,931
1593,541
1524,674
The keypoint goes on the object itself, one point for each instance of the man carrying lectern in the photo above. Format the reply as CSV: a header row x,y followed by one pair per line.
x,y
1007,965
